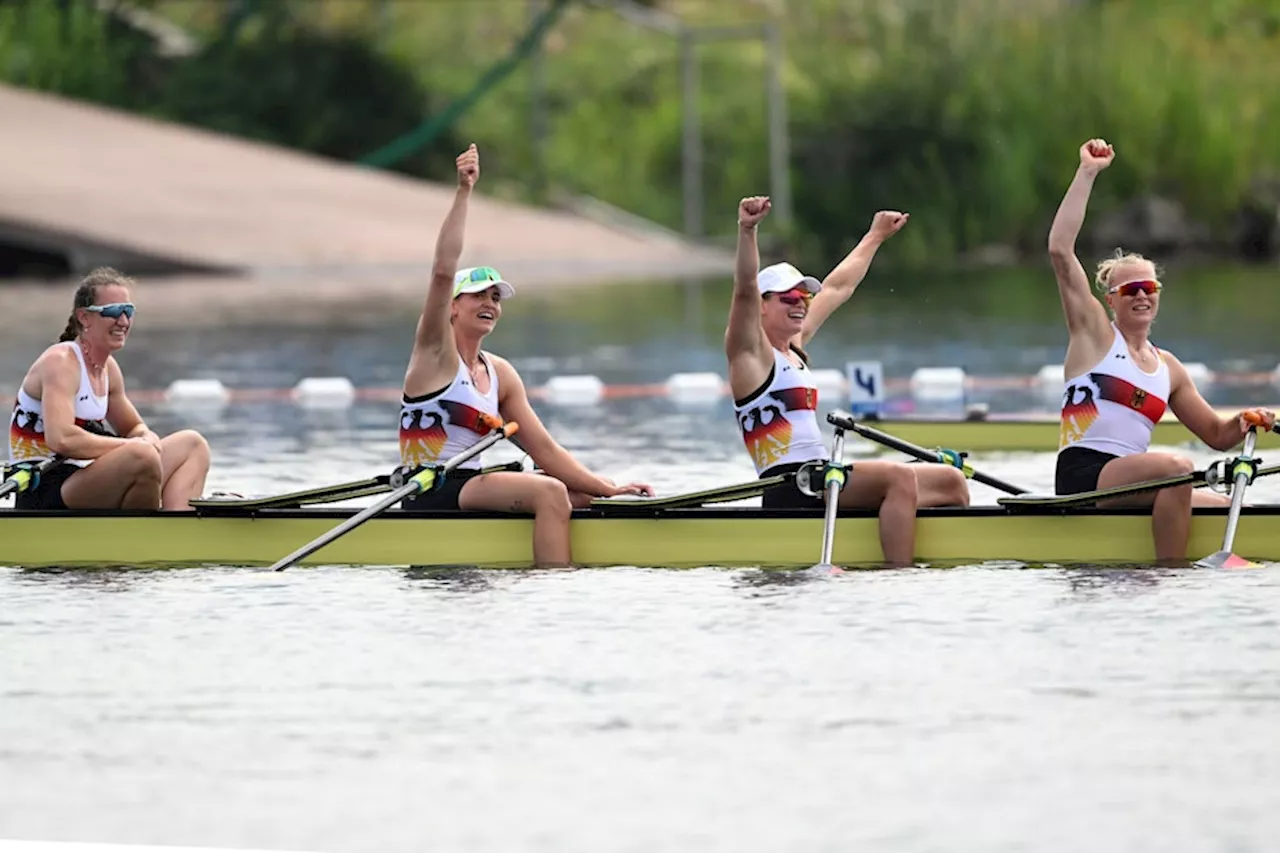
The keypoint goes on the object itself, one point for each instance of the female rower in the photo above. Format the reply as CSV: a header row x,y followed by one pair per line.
x,y
1118,384
774,313
76,386
450,382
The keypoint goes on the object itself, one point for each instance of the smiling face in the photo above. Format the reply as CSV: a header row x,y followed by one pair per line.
x,y
98,327
782,314
476,313
1133,292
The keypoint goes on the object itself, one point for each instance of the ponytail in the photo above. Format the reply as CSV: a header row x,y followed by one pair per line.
x,y
72,331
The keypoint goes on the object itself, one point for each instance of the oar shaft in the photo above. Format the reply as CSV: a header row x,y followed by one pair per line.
x,y
832,489
417,483
926,455
1237,494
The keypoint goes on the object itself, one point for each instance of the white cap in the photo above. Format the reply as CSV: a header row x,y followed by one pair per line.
x,y
478,279
780,278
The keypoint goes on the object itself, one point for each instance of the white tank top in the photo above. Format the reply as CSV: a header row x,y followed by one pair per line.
x,y
1114,407
26,425
439,426
779,422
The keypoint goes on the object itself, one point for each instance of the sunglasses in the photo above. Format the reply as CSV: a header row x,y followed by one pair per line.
x,y
795,296
1133,288
113,310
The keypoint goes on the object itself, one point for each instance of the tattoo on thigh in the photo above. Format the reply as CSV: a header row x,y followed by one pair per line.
x,y
517,505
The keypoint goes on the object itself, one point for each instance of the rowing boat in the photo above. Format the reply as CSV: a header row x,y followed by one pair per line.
x,y
679,537
1032,431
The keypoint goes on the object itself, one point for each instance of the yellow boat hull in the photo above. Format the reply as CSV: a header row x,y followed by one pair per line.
x,y
731,536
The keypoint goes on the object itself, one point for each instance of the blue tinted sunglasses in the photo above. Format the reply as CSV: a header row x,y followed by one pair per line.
x,y
113,310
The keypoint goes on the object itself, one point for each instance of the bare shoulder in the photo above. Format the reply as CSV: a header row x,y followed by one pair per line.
x,y
505,371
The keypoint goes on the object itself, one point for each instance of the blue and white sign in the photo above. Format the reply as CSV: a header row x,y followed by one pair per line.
x,y
866,387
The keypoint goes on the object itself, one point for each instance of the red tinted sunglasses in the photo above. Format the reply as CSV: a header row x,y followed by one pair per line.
x,y
1133,288
795,296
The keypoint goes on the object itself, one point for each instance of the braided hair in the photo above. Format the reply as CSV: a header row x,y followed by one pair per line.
x,y
87,292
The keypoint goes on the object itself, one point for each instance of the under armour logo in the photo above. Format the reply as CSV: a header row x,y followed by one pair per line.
x,y
1120,355
85,397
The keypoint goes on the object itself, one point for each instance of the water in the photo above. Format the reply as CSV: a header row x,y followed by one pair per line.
x,y
350,710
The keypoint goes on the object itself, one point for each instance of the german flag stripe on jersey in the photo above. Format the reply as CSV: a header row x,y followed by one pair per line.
x,y
1116,390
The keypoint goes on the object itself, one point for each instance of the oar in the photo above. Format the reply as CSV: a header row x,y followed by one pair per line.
x,y
1243,469
420,482
833,480
25,475
945,457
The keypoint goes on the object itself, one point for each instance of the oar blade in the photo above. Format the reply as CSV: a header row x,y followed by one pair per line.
x,y
1225,560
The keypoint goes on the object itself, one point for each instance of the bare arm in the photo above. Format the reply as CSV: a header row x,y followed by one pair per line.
x,y
1197,415
60,382
546,452
1087,320
842,281
435,356
745,344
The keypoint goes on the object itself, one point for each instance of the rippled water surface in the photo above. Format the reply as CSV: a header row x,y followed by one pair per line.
x,y
353,710
388,710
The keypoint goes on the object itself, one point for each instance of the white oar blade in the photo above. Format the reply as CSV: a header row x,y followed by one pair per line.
x,y
1225,560
824,569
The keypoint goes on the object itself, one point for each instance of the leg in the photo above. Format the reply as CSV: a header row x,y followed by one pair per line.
x,y
891,488
126,478
1170,508
184,463
941,485
545,497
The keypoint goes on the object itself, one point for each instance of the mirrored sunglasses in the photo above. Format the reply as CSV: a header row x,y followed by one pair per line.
x,y
795,296
113,310
1133,288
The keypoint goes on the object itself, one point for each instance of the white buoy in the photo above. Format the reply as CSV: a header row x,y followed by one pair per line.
x,y
324,392
201,392
576,390
687,388
831,383
938,383
1200,373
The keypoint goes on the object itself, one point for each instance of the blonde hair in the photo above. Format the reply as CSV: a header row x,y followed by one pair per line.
x,y
1121,258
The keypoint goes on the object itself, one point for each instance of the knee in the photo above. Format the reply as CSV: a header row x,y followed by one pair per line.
x,y
551,497
141,460
955,487
1180,465
902,482
193,444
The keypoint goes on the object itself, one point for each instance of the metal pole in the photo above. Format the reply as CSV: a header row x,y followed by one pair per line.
x,y
779,139
692,136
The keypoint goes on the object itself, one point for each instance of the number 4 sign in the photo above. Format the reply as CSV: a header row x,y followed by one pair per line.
x,y
866,387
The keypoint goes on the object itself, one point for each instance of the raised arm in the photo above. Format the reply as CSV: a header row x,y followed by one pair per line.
x,y
842,281
1198,416
745,344
545,451
435,356
1084,313
59,383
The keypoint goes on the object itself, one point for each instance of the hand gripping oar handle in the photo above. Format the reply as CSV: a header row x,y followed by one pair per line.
x,y
423,481
1243,469
846,421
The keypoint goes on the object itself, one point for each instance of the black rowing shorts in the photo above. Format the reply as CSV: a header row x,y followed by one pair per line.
x,y
1078,470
